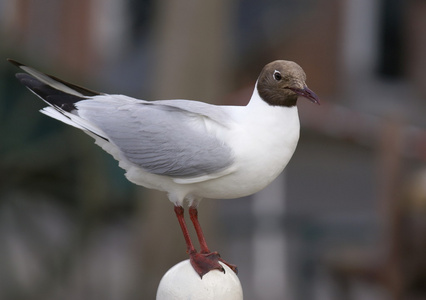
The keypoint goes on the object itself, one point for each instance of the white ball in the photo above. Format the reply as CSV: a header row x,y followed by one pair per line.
x,y
181,282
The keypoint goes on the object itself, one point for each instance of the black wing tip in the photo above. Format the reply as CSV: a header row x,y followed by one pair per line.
x,y
28,80
15,62
54,97
84,91
22,75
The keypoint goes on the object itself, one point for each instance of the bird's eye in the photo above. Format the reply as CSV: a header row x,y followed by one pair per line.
x,y
277,75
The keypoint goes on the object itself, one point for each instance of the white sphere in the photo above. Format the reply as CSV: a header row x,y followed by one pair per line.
x,y
181,282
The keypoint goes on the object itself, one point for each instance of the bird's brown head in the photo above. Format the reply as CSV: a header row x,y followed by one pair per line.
x,y
281,82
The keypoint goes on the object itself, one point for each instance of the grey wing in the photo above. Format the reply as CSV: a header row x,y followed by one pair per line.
x,y
164,140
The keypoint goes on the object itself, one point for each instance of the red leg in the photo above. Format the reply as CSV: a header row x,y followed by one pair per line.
x,y
201,262
193,213
180,216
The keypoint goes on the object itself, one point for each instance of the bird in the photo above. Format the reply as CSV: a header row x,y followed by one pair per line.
x,y
189,149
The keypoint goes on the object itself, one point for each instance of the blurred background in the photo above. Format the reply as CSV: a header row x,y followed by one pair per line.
x,y
346,220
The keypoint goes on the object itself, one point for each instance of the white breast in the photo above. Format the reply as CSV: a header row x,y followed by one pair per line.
x,y
264,139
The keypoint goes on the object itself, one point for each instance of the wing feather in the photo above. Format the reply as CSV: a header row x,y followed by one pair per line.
x,y
175,138
162,139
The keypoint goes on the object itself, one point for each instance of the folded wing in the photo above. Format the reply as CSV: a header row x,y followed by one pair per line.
x,y
174,138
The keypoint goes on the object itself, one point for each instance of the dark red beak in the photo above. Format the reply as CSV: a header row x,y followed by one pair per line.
x,y
307,93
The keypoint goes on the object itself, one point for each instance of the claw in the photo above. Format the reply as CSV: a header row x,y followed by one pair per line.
x,y
231,266
205,262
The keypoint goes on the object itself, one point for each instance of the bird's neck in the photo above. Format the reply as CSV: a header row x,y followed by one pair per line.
x,y
257,109
256,100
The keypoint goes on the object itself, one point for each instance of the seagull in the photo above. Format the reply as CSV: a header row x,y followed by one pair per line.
x,y
189,149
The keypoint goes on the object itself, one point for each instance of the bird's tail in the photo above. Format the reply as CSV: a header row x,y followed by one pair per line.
x,y
54,91
61,96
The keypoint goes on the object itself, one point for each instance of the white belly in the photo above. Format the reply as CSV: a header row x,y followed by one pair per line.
x,y
262,149
260,157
